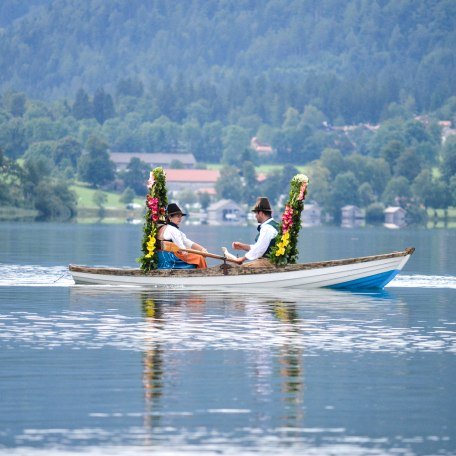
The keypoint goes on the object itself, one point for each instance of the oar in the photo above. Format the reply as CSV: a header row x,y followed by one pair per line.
x,y
171,247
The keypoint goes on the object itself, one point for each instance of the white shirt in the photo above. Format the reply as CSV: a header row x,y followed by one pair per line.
x,y
171,233
267,234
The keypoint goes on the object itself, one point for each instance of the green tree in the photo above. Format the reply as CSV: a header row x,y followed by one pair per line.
x,y
397,191
431,192
95,167
343,191
67,149
229,184
103,106
333,161
375,213
422,187
391,151
135,176
448,164
204,199
54,200
270,187
11,182
235,139
312,117
15,103
211,141
321,184
41,129
440,196
13,137
130,87
452,190
38,168
250,183
82,107
408,164
366,195
40,149
128,195
100,199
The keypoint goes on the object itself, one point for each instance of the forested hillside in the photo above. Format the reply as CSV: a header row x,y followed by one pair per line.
x,y
361,91
349,58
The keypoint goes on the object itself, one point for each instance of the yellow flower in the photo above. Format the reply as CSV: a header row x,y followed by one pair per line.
x,y
150,246
280,250
285,240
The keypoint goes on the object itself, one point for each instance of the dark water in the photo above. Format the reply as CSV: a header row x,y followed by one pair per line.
x,y
109,371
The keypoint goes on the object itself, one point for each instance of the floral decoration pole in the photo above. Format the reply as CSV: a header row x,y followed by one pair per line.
x,y
285,250
156,202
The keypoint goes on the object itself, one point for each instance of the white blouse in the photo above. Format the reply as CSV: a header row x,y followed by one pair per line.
x,y
171,233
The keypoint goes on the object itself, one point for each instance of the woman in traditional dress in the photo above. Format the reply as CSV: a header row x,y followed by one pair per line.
x,y
170,232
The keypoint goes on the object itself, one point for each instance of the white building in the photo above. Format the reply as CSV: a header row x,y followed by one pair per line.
x,y
395,217
311,215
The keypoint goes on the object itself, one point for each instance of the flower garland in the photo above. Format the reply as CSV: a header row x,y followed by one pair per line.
x,y
285,250
156,202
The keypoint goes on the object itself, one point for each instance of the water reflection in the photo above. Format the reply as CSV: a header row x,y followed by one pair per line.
x,y
223,371
153,364
277,373
311,321
291,364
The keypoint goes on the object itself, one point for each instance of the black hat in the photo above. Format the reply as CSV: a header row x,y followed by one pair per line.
x,y
173,209
262,205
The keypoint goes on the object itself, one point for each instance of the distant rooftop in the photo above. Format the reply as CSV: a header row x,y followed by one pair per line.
x,y
121,159
192,175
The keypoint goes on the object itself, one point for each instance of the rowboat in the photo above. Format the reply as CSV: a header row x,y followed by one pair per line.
x,y
369,272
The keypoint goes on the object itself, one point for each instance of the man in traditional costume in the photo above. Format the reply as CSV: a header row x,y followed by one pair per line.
x,y
265,239
170,232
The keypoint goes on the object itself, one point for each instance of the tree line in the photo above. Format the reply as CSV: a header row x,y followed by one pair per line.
x,y
402,161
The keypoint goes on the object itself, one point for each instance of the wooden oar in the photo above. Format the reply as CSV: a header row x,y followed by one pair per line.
x,y
171,247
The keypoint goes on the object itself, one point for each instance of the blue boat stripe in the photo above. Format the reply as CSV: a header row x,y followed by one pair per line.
x,y
373,281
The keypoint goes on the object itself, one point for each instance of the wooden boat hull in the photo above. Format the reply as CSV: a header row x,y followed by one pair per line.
x,y
371,272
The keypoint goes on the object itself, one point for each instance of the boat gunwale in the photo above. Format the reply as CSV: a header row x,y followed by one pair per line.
x,y
235,270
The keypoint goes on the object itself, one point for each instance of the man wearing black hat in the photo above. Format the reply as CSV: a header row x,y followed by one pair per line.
x,y
265,239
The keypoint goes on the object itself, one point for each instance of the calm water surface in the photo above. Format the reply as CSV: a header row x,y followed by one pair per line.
x,y
111,371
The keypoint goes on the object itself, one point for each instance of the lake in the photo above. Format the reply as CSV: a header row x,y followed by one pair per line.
x,y
106,371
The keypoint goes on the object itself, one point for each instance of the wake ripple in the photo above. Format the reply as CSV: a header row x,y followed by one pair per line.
x,y
13,275
423,281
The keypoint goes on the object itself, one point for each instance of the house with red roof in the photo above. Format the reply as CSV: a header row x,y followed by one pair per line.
x,y
197,180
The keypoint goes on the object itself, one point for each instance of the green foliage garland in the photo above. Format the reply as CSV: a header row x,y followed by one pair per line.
x,y
156,202
285,250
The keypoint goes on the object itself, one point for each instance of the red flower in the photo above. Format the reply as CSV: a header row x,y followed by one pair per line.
x,y
152,204
287,219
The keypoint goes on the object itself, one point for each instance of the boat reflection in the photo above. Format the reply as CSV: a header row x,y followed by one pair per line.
x,y
152,364
238,357
291,362
270,374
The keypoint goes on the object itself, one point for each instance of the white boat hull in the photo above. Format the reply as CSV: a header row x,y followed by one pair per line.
x,y
356,273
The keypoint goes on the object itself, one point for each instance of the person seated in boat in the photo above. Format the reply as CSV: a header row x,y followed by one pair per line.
x,y
265,239
170,232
